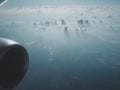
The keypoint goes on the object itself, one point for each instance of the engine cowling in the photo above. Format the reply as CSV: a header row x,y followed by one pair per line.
x,y
14,62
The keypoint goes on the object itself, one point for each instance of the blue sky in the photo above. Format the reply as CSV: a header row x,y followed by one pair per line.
x,y
13,3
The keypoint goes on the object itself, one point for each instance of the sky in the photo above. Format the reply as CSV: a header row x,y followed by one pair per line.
x,y
17,3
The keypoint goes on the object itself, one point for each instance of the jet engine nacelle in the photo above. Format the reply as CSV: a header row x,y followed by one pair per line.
x,y
13,63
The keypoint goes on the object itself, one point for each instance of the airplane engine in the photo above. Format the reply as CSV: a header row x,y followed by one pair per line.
x,y
14,62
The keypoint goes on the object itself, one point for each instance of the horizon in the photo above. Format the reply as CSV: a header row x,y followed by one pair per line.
x,y
32,3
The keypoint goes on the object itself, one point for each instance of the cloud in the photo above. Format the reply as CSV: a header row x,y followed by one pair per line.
x,y
30,43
